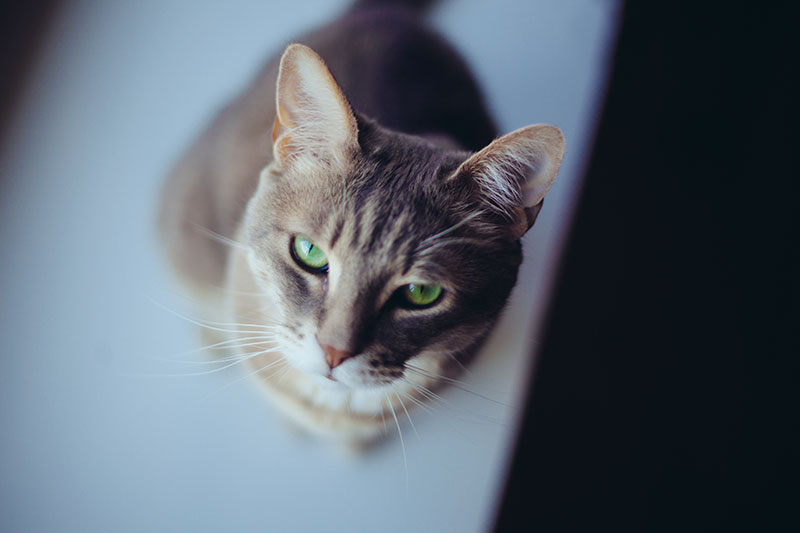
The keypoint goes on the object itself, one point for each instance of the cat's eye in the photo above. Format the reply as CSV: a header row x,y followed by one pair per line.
x,y
308,255
421,295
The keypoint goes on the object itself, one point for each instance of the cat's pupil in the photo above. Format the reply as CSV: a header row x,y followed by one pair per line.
x,y
309,256
419,294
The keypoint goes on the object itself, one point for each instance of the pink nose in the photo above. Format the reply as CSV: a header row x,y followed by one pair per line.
x,y
334,356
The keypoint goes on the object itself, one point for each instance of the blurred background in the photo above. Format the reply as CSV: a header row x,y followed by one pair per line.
x,y
102,427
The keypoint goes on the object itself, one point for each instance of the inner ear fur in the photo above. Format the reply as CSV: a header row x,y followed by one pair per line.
x,y
513,173
313,117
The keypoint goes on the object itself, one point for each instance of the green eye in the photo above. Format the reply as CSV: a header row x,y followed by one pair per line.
x,y
421,295
308,255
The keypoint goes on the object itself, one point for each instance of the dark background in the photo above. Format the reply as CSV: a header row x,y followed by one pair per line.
x,y
665,397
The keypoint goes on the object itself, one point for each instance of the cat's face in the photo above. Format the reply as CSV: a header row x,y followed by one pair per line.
x,y
383,254
380,265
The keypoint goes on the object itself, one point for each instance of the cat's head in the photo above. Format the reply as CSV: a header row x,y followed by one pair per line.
x,y
384,253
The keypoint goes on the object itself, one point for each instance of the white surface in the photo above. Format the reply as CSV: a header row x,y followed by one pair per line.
x,y
93,436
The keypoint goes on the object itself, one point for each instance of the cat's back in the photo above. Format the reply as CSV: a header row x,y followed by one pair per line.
x,y
392,68
395,69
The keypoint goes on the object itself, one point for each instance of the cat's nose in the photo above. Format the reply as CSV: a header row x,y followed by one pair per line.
x,y
334,356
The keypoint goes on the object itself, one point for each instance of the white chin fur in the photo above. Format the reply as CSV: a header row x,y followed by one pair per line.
x,y
306,356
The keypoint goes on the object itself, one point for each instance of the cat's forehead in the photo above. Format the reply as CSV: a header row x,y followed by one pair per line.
x,y
394,183
376,219
382,228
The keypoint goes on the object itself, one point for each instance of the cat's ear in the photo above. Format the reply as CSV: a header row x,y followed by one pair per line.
x,y
313,118
513,173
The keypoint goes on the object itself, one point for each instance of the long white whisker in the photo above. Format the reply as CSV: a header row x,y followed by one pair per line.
x,y
455,383
201,324
232,345
223,345
460,364
433,397
238,324
425,391
407,415
433,375
251,374
383,418
237,361
416,402
429,409
399,432
285,371
218,360
219,238
449,242
448,230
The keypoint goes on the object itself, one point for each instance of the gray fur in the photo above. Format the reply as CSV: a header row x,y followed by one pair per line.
x,y
398,197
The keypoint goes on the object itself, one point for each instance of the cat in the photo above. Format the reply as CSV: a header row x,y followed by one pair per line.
x,y
361,217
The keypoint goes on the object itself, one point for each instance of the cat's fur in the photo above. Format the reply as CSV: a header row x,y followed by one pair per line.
x,y
381,174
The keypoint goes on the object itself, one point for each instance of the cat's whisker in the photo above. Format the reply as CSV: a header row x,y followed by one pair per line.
x,y
219,238
433,375
279,362
472,416
210,325
347,404
411,422
223,345
233,346
459,363
400,433
279,373
416,402
236,361
267,327
383,419
286,369
219,360
229,342
424,391
455,383
432,396
442,233
432,411
450,242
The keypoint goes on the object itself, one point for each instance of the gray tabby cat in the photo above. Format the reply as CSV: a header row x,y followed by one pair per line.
x,y
367,255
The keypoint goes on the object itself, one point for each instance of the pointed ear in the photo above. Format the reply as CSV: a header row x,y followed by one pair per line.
x,y
313,118
515,171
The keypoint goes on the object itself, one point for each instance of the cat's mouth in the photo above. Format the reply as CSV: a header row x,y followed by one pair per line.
x,y
345,381
329,381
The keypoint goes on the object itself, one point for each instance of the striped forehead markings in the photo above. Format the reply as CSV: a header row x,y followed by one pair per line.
x,y
337,231
384,230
